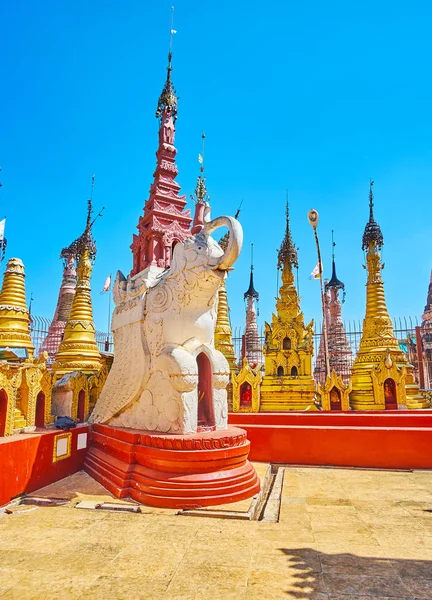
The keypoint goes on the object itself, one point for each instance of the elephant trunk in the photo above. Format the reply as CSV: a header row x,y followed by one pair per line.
x,y
235,241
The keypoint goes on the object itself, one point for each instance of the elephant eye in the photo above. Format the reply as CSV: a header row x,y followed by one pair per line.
x,y
199,247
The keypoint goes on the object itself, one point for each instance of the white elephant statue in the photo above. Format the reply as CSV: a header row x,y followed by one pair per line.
x,y
167,375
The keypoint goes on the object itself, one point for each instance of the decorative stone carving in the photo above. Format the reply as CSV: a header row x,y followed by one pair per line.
x,y
167,375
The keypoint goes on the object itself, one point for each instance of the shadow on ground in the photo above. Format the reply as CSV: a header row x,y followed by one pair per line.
x,y
318,575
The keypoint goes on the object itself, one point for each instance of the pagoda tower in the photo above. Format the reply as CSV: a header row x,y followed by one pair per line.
x,y
252,343
66,295
165,221
78,350
15,340
340,353
426,334
320,363
288,383
382,378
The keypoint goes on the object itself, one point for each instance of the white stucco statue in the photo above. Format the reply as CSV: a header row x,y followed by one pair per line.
x,y
167,375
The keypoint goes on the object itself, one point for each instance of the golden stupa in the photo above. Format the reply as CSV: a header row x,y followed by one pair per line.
x,y
78,350
15,337
382,377
25,383
223,332
288,383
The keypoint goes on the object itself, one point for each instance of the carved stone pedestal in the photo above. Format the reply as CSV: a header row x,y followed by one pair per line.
x,y
173,471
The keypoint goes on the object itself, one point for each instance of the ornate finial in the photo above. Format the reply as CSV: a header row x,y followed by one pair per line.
x,y
85,241
168,99
201,190
236,216
334,282
372,232
428,306
3,240
223,242
287,251
251,291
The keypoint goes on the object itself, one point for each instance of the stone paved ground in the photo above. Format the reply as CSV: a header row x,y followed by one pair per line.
x,y
343,535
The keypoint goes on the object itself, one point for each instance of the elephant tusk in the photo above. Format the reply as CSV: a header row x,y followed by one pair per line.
x,y
235,241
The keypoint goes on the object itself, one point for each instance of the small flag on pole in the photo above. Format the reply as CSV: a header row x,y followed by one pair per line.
x,y
200,159
107,285
173,30
2,228
316,272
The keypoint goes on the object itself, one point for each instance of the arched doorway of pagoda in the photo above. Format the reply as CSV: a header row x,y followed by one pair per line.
x,y
158,251
174,244
280,371
3,411
206,420
81,407
245,395
390,398
40,410
138,261
335,399
294,371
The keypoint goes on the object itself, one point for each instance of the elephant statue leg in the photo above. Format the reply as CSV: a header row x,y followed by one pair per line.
x,y
173,385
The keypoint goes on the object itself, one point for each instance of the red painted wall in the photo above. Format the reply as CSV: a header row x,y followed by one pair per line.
x,y
26,462
399,440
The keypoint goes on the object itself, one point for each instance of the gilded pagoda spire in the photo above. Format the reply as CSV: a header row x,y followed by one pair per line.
x,y
287,254
167,102
288,383
223,331
14,314
381,375
288,302
78,350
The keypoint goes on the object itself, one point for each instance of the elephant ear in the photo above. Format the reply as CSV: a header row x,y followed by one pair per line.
x,y
178,261
119,290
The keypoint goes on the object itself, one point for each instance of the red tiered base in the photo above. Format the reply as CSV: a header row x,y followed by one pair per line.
x,y
173,471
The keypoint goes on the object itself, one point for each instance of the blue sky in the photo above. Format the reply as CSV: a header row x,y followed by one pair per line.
x,y
310,96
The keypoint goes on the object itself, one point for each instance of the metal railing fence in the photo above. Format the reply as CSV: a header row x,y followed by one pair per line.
x,y
39,328
410,334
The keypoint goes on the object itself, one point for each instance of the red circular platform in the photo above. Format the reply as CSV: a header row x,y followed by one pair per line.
x,y
173,471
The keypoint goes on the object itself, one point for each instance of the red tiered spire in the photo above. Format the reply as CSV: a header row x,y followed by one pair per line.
x,y
165,221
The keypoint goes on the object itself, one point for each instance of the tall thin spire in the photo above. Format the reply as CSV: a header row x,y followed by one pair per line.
x,y
78,349
287,252
166,220
428,306
201,190
334,281
251,291
168,100
372,232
